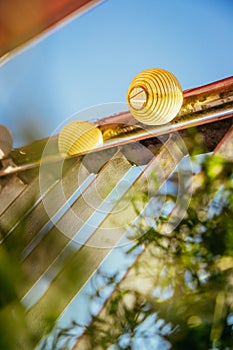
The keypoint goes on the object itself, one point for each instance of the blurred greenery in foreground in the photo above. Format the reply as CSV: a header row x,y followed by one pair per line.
x,y
178,295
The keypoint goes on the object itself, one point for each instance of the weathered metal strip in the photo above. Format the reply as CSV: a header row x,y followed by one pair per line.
x,y
29,198
49,248
10,191
146,185
85,262
20,206
32,221
42,284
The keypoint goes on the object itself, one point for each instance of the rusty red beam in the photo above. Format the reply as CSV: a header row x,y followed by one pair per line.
x,y
202,105
22,21
197,93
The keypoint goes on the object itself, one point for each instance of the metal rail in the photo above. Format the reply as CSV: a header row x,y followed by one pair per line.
x,y
202,105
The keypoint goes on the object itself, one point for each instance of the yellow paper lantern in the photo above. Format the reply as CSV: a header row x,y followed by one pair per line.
x,y
154,96
79,136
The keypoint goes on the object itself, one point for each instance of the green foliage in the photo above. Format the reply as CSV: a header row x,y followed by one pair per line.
x,y
178,295
13,326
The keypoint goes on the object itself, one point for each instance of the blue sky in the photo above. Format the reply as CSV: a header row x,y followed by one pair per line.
x,y
93,59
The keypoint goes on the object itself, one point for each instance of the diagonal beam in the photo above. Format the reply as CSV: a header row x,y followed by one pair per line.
x,y
85,262
22,21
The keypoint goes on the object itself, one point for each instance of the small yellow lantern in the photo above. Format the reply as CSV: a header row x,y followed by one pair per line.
x,y
154,96
79,136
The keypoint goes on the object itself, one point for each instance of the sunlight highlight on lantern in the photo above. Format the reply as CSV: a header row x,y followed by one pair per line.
x,y
79,136
154,96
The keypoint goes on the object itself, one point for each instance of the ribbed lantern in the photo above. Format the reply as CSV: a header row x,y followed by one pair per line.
x,y
79,136
5,141
154,96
